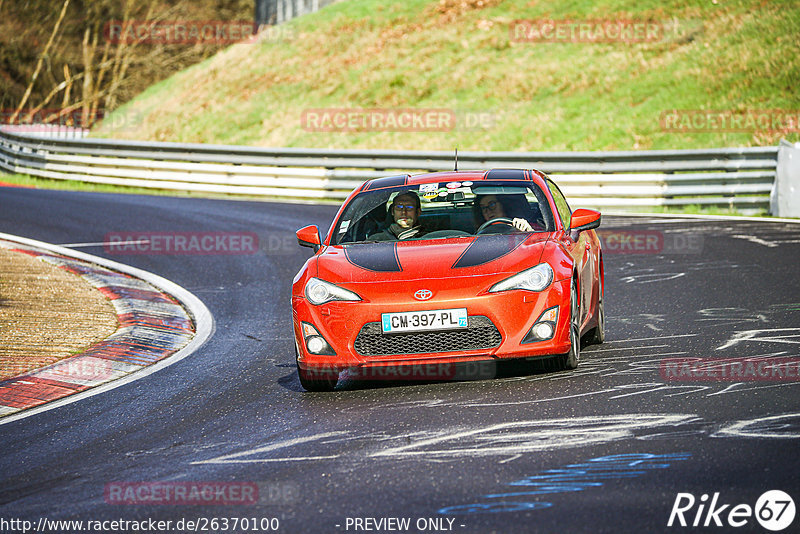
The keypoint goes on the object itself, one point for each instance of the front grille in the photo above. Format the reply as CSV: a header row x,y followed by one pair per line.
x,y
481,334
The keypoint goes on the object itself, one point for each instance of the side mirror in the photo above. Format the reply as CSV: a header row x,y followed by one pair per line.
x,y
308,236
583,219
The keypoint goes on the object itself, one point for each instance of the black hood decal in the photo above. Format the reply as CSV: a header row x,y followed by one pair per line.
x,y
388,181
507,174
378,257
487,248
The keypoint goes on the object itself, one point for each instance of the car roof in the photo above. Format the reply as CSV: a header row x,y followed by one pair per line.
x,y
453,176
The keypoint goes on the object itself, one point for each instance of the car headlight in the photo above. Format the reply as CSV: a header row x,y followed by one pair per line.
x,y
319,292
534,279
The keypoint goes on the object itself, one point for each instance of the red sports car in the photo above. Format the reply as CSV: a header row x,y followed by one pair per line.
x,y
433,270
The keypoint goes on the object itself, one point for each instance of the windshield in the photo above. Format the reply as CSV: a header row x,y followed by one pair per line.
x,y
443,210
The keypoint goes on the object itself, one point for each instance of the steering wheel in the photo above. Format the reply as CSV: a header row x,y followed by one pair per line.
x,y
492,222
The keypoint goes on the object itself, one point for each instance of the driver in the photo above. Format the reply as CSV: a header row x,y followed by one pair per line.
x,y
488,207
405,210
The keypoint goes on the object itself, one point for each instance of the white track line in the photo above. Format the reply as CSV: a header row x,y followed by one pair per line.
x,y
105,244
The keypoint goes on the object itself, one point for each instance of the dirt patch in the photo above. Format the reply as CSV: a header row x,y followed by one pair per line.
x,y
46,314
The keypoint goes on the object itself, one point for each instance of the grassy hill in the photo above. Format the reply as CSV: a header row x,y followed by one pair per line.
x,y
459,55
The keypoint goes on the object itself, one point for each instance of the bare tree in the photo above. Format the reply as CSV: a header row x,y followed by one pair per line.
x,y
40,62
90,76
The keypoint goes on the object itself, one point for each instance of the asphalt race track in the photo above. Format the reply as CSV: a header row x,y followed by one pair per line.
x,y
605,448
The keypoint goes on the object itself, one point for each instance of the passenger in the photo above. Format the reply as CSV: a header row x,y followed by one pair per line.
x,y
488,207
405,209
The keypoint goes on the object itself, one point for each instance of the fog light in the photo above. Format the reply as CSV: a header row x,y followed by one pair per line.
x,y
315,344
543,330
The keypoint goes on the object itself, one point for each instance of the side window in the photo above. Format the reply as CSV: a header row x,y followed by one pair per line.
x,y
561,205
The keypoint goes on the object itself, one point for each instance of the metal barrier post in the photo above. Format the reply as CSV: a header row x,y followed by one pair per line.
x,y
785,196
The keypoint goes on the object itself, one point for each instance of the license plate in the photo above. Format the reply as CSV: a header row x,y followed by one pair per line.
x,y
424,320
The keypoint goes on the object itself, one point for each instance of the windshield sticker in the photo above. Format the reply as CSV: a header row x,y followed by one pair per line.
x,y
453,185
428,188
343,228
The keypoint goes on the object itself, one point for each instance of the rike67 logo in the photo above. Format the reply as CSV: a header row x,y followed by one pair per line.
x,y
774,511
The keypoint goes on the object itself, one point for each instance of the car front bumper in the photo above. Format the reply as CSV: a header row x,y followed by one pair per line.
x,y
512,314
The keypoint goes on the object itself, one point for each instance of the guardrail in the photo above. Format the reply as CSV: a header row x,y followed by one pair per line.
x,y
741,178
280,11
60,131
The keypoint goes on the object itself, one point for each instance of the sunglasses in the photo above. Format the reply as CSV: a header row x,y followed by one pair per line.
x,y
405,207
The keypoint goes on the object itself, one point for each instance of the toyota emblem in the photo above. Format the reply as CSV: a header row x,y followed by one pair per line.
x,y
423,294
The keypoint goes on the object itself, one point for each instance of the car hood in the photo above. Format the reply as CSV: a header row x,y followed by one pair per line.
x,y
433,259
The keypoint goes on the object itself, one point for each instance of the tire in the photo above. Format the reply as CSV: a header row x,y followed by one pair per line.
x,y
598,333
570,360
316,380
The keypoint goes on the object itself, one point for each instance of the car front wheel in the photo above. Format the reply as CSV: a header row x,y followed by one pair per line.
x,y
316,380
598,333
570,360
